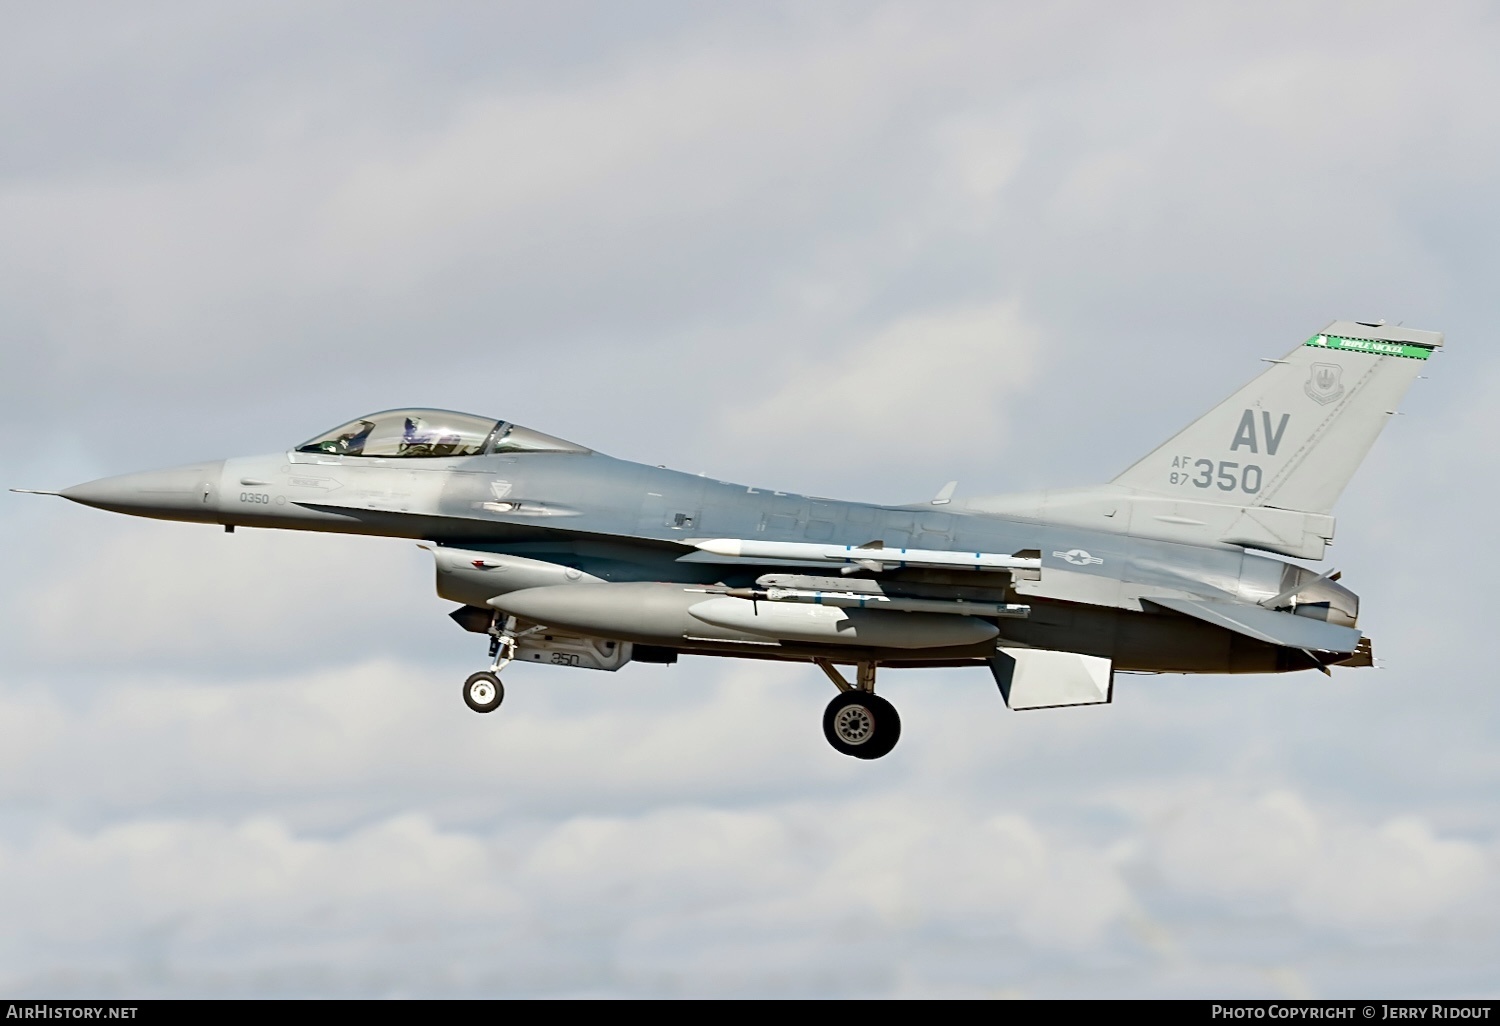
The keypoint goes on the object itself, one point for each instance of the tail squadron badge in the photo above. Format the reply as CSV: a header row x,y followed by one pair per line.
x,y
1325,384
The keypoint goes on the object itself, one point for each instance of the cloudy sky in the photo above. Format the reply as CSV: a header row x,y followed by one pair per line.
x,y
843,248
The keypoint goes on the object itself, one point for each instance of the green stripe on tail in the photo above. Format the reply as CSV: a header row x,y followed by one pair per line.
x,y
1364,345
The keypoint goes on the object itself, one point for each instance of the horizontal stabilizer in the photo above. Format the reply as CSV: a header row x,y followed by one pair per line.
x,y
1285,629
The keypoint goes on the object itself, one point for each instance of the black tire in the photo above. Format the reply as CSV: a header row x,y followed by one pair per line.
x,y
860,724
483,692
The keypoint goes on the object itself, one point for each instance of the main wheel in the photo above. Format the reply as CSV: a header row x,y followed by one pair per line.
x,y
860,724
483,692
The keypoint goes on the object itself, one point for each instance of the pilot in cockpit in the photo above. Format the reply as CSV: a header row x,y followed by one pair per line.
x,y
431,433
350,443
415,442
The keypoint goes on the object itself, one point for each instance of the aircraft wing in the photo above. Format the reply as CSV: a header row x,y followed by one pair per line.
x,y
1268,625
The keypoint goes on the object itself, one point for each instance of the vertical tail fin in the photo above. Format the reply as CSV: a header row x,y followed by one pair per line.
x,y
1292,438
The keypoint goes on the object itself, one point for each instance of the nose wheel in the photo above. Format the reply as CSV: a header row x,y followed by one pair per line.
x,y
858,722
483,692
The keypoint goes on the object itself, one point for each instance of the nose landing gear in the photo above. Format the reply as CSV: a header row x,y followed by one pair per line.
x,y
483,691
858,722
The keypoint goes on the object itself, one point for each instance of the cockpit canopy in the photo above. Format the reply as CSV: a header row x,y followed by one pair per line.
x,y
428,433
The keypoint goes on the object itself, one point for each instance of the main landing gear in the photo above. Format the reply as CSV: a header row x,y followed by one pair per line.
x,y
858,722
483,691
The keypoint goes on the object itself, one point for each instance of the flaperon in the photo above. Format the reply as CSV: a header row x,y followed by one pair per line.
x,y
563,555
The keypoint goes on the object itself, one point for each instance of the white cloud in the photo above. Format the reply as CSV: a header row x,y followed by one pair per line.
x,y
1232,848
764,899
660,831
139,591
923,386
1332,874
554,190
702,898
1398,874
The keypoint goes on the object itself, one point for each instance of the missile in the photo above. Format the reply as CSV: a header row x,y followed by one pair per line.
x,y
861,585
867,600
874,556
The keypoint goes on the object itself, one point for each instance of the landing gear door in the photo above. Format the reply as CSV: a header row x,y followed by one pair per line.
x,y
571,650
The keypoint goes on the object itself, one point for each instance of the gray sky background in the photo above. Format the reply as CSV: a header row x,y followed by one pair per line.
x,y
844,248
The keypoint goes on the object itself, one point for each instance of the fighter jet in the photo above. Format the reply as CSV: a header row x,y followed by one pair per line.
x,y
560,554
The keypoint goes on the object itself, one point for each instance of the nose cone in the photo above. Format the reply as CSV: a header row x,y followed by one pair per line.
x,y
181,493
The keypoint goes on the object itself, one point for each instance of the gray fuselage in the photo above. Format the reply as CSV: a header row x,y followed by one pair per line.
x,y
621,522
